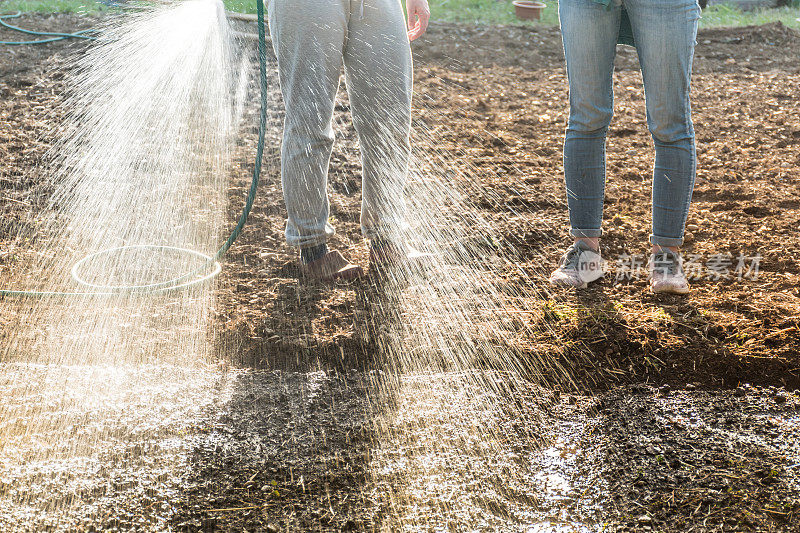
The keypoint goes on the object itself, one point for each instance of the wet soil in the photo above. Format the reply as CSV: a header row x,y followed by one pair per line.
x,y
657,431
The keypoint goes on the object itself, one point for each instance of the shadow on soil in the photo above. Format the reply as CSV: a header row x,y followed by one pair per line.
x,y
289,451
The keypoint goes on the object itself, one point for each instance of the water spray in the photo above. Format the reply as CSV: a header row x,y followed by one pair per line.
x,y
211,266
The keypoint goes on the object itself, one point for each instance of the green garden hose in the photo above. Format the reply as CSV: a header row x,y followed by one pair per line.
x,y
50,36
211,266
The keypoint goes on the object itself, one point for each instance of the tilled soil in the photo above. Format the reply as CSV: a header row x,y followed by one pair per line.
x,y
498,116
670,438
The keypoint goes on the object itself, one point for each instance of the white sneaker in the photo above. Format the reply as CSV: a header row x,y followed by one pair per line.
x,y
666,273
579,266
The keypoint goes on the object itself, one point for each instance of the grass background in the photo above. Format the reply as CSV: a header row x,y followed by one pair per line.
x,y
48,6
466,11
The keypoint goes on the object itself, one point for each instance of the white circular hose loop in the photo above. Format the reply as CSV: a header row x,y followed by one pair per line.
x,y
163,286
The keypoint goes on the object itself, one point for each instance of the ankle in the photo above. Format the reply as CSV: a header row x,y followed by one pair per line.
x,y
591,242
313,253
658,249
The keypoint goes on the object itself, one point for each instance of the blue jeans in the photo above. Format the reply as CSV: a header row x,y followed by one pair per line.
x,y
665,32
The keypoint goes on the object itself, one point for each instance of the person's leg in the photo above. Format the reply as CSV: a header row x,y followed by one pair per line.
x,y
308,37
589,32
378,67
665,33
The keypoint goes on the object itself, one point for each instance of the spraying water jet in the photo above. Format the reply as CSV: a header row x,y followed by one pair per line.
x,y
210,267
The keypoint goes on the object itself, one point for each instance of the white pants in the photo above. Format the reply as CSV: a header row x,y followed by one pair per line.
x,y
312,39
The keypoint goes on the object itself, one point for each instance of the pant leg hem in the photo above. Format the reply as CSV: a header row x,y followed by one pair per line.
x,y
306,242
586,233
665,241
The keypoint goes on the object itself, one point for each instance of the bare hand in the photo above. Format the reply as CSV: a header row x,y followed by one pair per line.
x,y
418,15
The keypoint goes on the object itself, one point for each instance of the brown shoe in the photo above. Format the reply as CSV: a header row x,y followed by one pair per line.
x,y
332,267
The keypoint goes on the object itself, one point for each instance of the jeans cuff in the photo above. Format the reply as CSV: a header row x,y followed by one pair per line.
x,y
586,233
312,236
296,241
665,241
